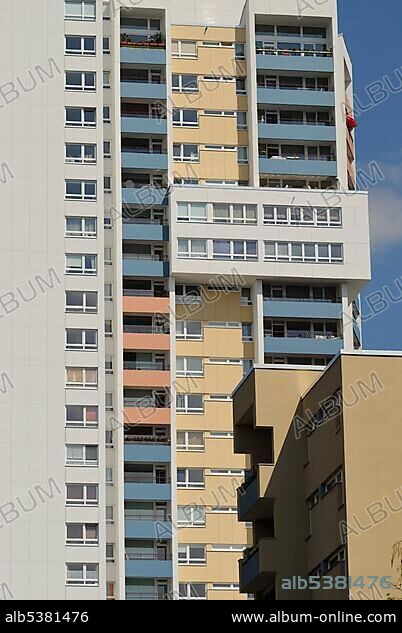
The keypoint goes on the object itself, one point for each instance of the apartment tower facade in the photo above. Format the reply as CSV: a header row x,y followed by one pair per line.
x,y
192,205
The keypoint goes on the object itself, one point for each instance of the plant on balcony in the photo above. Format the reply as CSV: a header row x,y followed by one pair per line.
x,y
153,41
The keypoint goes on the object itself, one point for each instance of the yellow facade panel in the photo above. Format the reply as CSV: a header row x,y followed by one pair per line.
x,y
219,130
220,567
218,454
216,306
220,528
218,417
210,94
209,34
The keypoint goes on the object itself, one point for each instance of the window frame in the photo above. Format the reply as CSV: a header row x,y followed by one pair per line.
x,y
83,461
86,501
83,309
188,484
82,51
84,268
85,231
84,383
84,422
83,86
84,540
82,122
186,409
83,16
83,345
186,446
86,579
84,186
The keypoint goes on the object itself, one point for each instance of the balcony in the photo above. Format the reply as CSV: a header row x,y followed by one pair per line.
x,y
257,569
302,308
305,343
147,453
144,303
252,501
143,125
147,337
144,160
146,489
143,90
144,266
297,167
300,61
148,568
145,195
135,376
297,132
144,229
150,415
143,53
147,526
296,97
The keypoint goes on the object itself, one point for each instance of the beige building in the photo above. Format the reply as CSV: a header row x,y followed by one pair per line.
x,y
324,493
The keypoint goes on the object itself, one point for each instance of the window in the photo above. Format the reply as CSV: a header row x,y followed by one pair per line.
x,y
241,86
192,554
80,9
80,264
303,216
186,293
304,252
192,591
108,292
81,455
107,184
109,515
81,339
185,83
82,534
225,586
108,327
241,120
189,366
106,45
240,50
190,441
75,80
189,330
77,45
108,401
235,213
245,298
227,472
109,476
110,552
77,301
184,48
81,416
108,256
220,397
80,227
185,118
109,438
219,78
223,510
80,189
235,249
107,114
221,435
82,494
226,113
190,516
247,332
84,377
191,212
242,155
225,361
224,324
196,249
189,403
106,78
107,149
80,117
190,478
218,547
186,153
82,574
218,44
110,593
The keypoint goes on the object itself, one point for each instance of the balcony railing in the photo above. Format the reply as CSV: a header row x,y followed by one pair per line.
x,y
137,220
141,80
145,329
143,478
144,115
150,556
146,516
143,365
283,121
146,256
138,292
149,595
325,157
155,41
141,150
303,334
292,52
163,440
145,402
293,87
303,299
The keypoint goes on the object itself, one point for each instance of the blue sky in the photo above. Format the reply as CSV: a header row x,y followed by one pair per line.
x,y
372,32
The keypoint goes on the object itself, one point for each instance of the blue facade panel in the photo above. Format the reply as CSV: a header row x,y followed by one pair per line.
x,y
144,268
144,161
143,125
147,492
303,346
145,196
276,96
295,63
147,453
278,167
139,90
136,529
302,309
142,56
319,133
149,569
147,232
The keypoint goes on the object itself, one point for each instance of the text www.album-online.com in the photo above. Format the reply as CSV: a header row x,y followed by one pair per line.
x,y
299,618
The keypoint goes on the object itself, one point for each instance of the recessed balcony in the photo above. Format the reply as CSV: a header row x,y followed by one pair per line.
x,y
291,131
132,89
154,452
302,309
145,375
295,97
147,525
295,166
142,265
145,229
257,568
304,343
252,500
137,124
144,195
140,159
292,60
148,568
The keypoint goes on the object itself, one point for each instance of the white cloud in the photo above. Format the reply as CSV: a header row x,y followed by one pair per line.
x,y
385,217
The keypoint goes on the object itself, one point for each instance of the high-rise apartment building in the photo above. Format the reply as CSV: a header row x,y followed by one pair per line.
x,y
191,203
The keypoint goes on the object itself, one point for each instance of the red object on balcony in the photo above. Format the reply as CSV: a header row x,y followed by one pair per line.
x,y
351,122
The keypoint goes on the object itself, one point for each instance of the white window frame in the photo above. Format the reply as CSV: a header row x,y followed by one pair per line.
x,y
186,336
85,501
225,586
241,56
218,547
180,53
186,371
304,258
222,510
85,15
224,113
225,324
196,516
82,51
83,460
189,410
108,117
212,44
83,308
241,126
84,269
84,383
193,158
221,435
84,423
226,472
83,345
192,448
188,484
244,256
250,337
107,149
242,91
84,540
86,230
232,219
82,122
182,122
308,216
85,85
224,361
84,186
189,559
188,217
182,88
189,253
106,79
219,78
188,589
86,580
106,45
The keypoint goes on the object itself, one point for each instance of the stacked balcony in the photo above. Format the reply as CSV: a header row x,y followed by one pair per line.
x,y
146,338
296,106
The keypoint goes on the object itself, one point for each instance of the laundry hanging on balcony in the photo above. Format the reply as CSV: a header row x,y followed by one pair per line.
x,y
351,122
